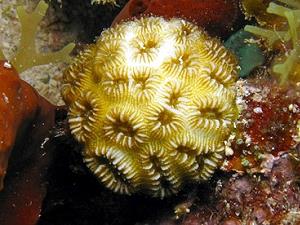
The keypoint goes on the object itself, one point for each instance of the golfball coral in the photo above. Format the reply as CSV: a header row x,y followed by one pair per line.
x,y
153,103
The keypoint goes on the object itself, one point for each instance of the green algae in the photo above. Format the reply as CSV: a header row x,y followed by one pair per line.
x,y
27,56
285,65
249,54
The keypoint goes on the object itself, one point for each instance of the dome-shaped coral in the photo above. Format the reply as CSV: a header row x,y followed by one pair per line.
x,y
153,102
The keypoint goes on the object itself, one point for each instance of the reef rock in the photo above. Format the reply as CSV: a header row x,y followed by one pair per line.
x,y
25,120
217,17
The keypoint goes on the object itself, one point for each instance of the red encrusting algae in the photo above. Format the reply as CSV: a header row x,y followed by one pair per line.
x,y
218,17
25,119
267,124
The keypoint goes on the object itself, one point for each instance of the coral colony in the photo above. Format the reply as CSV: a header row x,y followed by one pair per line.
x,y
153,102
154,105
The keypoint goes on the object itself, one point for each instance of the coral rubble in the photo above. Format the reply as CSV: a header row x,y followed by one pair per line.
x,y
153,102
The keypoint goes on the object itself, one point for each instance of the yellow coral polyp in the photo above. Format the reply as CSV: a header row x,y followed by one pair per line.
x,y
153,102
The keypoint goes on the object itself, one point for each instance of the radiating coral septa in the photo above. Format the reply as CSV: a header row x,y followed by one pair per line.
x,y
159,178
185,32
117,169
145,125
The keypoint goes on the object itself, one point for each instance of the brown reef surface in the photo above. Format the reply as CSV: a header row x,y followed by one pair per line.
x,y
25,120
228,14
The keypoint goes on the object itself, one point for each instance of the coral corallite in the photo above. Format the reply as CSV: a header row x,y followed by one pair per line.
x,y
153,104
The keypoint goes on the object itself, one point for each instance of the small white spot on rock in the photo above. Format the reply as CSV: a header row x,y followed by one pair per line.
x,y
228,151
5,98
7,65
257,110
44,142
294,108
